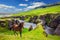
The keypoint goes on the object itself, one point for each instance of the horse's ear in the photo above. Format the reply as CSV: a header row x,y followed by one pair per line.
x,y
22,22
19,23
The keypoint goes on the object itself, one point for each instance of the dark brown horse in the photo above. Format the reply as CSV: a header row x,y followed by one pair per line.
x,y
18,27
30,28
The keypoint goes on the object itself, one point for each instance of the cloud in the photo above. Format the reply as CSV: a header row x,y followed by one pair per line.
x,y
13,9
17,10
26,0
8,9
6,6
34,5
23,4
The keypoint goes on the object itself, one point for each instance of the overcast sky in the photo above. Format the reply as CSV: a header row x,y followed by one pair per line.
x,y
12,6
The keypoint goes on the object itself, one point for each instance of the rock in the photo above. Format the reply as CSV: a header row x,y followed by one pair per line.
x,y
57,31
54,23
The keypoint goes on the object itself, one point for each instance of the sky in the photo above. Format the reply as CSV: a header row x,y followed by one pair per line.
x,y
13,6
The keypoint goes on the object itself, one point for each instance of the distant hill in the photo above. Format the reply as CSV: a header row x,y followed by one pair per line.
x,y
4,13
49,5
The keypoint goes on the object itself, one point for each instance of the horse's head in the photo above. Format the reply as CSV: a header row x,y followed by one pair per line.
x,y
21,24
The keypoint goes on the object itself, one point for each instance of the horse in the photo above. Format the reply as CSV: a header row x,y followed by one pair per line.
x,y
18,27
30,28
10,24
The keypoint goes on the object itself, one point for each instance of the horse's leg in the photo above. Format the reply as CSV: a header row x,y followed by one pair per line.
x,y
14,32
45,34
20,33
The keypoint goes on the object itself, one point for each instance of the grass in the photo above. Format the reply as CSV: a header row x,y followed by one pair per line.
x,y
10,32
36,34
40,11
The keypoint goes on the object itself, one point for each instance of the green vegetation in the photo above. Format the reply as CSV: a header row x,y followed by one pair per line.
x,y
39,11
36,34
5,31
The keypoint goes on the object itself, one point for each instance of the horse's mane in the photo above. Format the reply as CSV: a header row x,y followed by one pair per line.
x,y
21,24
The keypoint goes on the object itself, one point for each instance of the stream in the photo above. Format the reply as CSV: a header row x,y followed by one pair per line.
x,y
27,24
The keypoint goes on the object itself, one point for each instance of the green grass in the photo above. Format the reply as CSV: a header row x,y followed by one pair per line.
x,y
10,32
36,34
40,11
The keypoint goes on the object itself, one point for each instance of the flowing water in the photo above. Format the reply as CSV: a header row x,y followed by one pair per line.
x,y
27,24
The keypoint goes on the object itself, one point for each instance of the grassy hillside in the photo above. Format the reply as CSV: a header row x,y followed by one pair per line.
x,y
36,34
39,11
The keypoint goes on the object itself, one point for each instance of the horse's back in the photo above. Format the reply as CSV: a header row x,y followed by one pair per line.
x,y
15,27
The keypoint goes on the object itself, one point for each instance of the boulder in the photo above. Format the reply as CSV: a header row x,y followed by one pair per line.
x,y
57,31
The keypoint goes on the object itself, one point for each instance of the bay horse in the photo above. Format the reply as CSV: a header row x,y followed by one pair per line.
x,y
18,27
30,28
